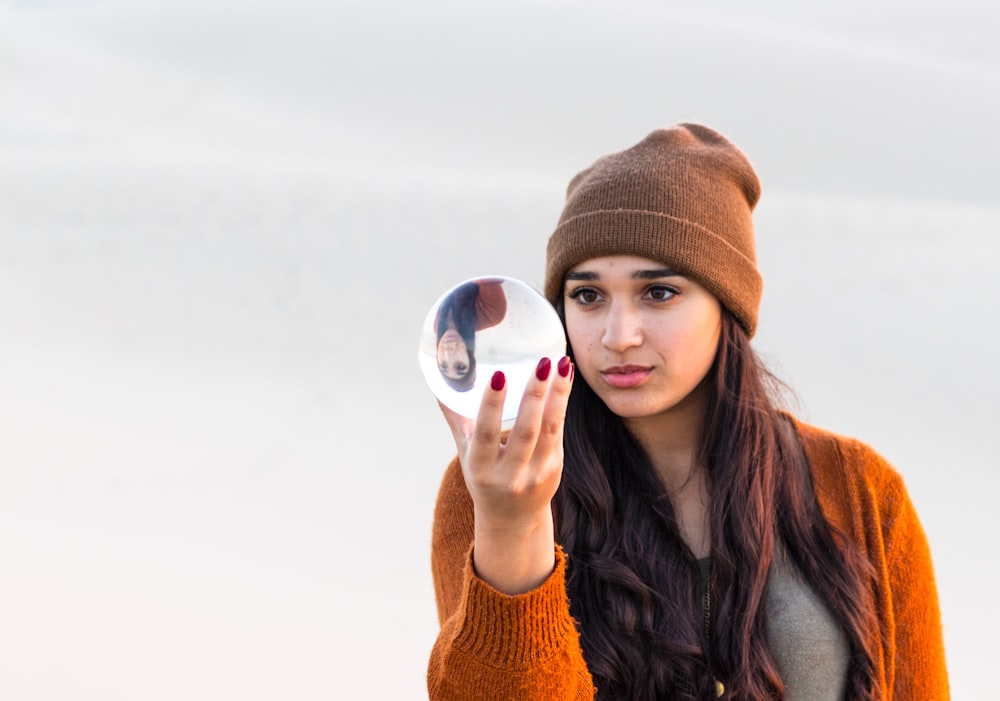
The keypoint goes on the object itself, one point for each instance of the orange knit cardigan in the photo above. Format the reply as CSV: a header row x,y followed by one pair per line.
x,y
493,646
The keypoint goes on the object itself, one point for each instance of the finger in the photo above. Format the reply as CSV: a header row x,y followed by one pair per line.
x,y
485,442
461,428
554,413
524,435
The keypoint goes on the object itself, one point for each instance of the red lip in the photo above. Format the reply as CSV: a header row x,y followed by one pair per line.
x,y
625,376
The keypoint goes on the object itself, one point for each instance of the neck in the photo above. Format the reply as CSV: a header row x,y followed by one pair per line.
x,y
672,441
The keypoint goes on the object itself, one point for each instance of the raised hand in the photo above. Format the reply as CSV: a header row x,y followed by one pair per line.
x,y
512,481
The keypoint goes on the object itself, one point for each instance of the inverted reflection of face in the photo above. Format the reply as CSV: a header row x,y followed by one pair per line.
x,y
467,309
481,326
453,355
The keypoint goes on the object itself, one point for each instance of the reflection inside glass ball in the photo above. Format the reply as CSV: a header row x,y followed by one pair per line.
x,y
483,325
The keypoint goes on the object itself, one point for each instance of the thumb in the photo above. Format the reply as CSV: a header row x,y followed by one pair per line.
x,y
461,427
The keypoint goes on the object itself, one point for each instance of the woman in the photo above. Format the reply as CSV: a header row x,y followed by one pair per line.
x,y
471,307
653,527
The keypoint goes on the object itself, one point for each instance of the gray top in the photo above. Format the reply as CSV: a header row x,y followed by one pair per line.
x,y
808,645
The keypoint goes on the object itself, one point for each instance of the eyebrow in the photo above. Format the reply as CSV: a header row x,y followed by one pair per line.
x,y
637,275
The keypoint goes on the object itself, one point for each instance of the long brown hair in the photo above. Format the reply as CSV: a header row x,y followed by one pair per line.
x,y
634,585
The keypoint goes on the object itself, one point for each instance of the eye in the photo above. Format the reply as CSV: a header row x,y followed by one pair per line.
x,y
584,296
660,293
462,367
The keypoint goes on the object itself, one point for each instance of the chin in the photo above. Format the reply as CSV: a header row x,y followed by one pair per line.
x,y
634,410
636,406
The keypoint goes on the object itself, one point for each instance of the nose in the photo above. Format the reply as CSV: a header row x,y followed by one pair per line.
x,y
622,328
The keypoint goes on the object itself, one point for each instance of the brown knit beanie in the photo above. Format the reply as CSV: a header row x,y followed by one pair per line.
x,y
683,196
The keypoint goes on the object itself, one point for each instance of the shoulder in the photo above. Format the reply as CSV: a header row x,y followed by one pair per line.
x,y
854,484
453,510
451,539
833,456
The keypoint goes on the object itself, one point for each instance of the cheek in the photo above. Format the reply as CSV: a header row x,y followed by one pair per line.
x,y
703,342
579,336
584,342
689,345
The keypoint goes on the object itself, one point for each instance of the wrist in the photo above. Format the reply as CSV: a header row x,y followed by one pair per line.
x,y
515,557
512,526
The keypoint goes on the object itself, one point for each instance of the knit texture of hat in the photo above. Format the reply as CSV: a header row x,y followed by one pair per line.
x,y
684,196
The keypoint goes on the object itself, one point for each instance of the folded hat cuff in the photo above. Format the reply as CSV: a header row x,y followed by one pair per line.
x,y
689,248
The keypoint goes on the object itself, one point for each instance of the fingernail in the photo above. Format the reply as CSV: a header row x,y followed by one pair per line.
x,y
497,381
543,369
564,365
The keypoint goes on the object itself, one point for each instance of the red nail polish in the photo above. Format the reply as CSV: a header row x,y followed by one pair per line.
x,y
564,366
498,381
543,369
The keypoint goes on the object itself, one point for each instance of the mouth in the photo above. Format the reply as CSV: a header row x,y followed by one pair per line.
x,y
626,376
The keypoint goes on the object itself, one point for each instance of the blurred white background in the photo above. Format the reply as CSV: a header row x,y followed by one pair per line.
x,y
221,225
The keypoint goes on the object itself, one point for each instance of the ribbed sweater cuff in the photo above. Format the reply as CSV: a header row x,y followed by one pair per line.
x,y
516,631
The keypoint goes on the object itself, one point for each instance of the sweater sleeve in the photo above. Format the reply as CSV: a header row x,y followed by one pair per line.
x,y
495,647
920,670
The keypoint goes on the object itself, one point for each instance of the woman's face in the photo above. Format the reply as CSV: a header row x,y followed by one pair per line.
x,y
453,355
643,336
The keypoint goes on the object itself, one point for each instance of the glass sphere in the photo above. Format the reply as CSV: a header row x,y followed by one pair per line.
x,y
483,325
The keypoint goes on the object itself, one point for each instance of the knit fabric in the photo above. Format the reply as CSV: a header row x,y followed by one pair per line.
x,y
683,196
494,647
